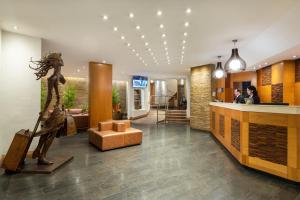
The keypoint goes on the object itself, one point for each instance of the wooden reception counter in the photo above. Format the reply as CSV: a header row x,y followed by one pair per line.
x,y
263,137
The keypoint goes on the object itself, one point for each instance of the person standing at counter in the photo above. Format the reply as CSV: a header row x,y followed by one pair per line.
x,y
238,96
253,96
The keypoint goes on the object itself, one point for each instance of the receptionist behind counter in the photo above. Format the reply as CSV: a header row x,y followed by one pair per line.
x,y
253,96
238,97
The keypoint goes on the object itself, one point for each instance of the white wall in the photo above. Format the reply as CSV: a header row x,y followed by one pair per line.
x,y
145,97
19,89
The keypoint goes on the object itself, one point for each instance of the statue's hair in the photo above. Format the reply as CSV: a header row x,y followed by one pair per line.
x,y
44,65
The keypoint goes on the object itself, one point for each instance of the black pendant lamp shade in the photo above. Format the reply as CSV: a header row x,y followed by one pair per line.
x,y
219,72
235,63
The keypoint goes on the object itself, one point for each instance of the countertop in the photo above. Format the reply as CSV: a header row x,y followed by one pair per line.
x,y
279,109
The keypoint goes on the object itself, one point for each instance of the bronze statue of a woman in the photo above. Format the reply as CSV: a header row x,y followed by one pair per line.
x,y
55,122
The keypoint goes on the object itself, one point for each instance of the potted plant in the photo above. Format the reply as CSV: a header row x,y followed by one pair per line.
x,y
69,97
115,99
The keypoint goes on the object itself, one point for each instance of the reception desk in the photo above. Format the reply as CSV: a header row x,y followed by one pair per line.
x,y
263,137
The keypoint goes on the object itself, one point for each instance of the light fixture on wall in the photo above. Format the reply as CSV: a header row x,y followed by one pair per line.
x,y
235,63
219,72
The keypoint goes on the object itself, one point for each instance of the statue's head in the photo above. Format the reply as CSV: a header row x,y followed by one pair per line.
x,y
52,60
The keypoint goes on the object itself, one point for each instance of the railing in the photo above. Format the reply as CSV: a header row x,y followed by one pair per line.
x,y
165,99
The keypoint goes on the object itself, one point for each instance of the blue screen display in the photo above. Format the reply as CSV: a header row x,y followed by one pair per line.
x,y
139,81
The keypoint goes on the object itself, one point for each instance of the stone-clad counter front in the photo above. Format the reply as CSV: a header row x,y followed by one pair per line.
x,y
264,137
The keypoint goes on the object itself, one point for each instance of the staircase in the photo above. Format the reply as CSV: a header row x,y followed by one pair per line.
x,y
176,116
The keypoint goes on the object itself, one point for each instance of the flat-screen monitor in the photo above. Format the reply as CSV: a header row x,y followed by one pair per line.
x,y
139,81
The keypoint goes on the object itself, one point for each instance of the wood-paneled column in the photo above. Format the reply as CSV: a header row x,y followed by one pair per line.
x,y
100,93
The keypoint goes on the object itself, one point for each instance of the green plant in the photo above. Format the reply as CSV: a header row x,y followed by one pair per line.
x,y
85,107
115,96
69,96
43,94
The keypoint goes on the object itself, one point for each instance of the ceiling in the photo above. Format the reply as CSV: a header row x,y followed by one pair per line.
x,y
265,28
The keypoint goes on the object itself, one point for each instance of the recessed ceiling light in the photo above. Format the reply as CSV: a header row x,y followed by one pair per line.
x,y
165,42
122,37
294,56
16,27
142,36
166,48
163,35
186,24
161,26
103,61
185,34
115,28
105,17
138,27
133,50
183,42
146,43
188,11
167,53
149,49
259,65
159,13
128,44
137,54
131,15
182,52
266,63
78,70
183,47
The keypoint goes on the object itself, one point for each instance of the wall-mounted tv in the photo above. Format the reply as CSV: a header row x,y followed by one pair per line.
x,y
139,81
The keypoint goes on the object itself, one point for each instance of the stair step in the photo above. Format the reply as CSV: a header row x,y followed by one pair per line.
x,y
176,116
178,120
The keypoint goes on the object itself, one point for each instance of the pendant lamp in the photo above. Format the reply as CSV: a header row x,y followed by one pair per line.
x,y
219,72
235,63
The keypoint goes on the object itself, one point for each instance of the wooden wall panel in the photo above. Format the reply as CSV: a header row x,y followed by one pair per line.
x,y
289,82
265,93
100,92
277,73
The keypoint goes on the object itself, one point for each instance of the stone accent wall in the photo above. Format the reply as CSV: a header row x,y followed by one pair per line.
x,y
222,125
121,87
201,88
213,120
268,142
297,70
235,133
267,76
277,93
81,88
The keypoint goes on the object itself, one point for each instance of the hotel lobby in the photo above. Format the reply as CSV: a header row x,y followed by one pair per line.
x,y
150,99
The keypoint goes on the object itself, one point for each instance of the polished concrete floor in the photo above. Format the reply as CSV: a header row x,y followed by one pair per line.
x,y
173,162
